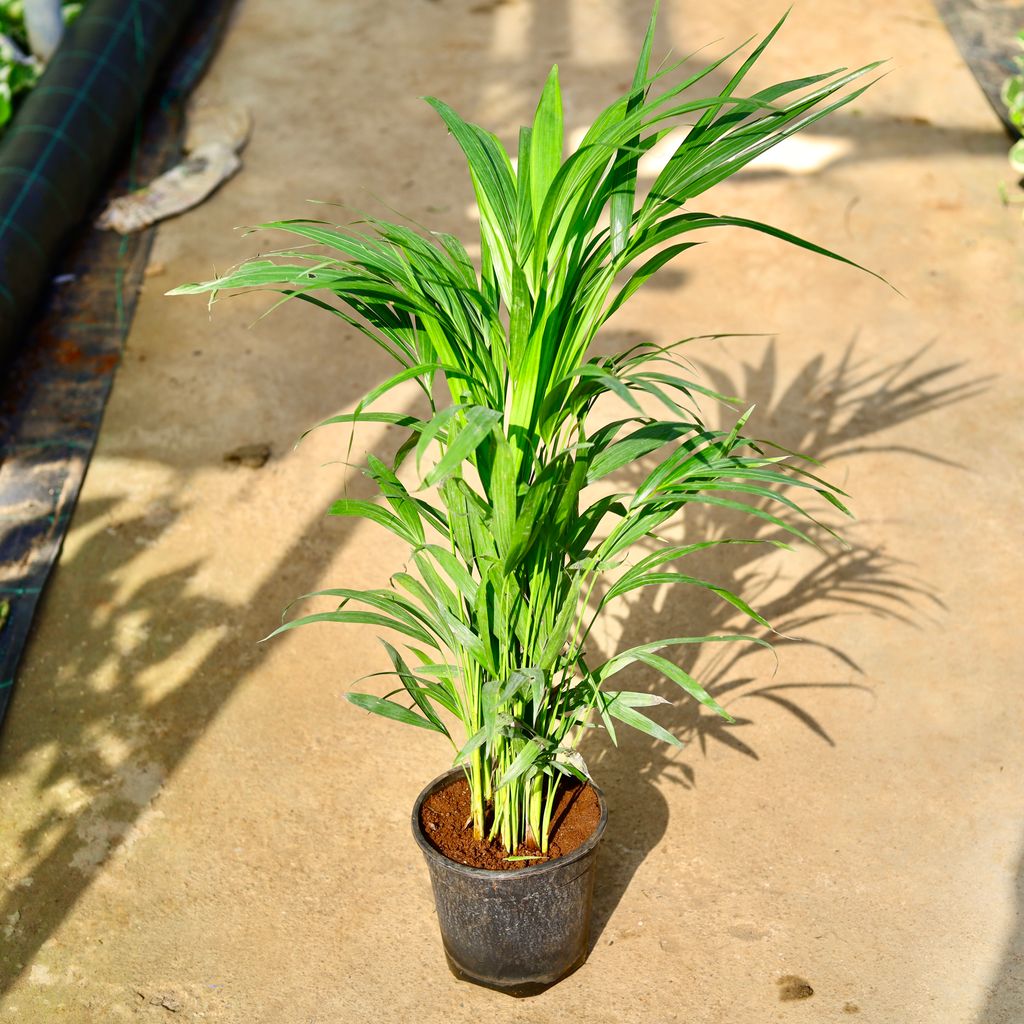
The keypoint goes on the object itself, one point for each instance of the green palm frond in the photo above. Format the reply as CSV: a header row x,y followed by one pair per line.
x,y
509,544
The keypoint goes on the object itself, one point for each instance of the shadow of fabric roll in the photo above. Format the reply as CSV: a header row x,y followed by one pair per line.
x,y
57,151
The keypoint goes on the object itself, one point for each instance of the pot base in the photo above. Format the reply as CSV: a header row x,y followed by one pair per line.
x,y
519,931
519,990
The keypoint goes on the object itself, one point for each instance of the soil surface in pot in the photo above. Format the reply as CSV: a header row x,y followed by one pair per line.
x,y
444,813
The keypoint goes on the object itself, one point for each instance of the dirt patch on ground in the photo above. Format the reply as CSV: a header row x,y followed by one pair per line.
x,y
444,813
791,987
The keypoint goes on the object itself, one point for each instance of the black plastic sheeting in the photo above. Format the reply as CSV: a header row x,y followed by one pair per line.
x,y
55,387
56,153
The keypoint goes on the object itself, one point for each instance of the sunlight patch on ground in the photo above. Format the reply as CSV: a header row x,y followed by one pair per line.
x,y
803,155
161,679
807,155
607,47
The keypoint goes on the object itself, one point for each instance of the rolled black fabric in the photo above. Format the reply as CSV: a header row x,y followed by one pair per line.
x,y
57,150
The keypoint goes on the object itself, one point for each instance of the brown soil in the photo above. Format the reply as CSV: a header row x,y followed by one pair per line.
x,y
444,814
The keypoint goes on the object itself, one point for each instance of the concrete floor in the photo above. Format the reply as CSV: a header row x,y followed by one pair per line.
x,y
194,827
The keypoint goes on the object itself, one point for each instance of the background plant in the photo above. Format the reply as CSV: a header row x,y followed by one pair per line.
x,y
1013,97
19,69
518,540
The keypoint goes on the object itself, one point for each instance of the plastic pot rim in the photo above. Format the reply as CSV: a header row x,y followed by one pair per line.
x,y
497,875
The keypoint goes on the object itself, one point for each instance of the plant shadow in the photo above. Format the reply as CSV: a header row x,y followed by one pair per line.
x,y
96,736
827,411
1005,1001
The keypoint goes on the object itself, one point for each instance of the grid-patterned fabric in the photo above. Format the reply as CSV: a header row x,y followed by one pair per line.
x,y
53,391
57,150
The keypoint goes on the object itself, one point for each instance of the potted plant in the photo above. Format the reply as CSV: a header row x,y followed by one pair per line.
x,y
504,491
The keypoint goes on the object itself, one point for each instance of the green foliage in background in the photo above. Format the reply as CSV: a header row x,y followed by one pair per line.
x,y
520,538
19,70
1013,97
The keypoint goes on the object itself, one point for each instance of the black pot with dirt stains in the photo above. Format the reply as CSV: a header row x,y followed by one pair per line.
x,y
517,931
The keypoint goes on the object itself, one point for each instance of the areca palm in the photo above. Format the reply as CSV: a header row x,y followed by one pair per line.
x,y
515,554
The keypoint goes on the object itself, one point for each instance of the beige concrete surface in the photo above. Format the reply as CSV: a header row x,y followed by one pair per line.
x,y
195,827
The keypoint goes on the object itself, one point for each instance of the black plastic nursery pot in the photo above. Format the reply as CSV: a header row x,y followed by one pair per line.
x,y
517,931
